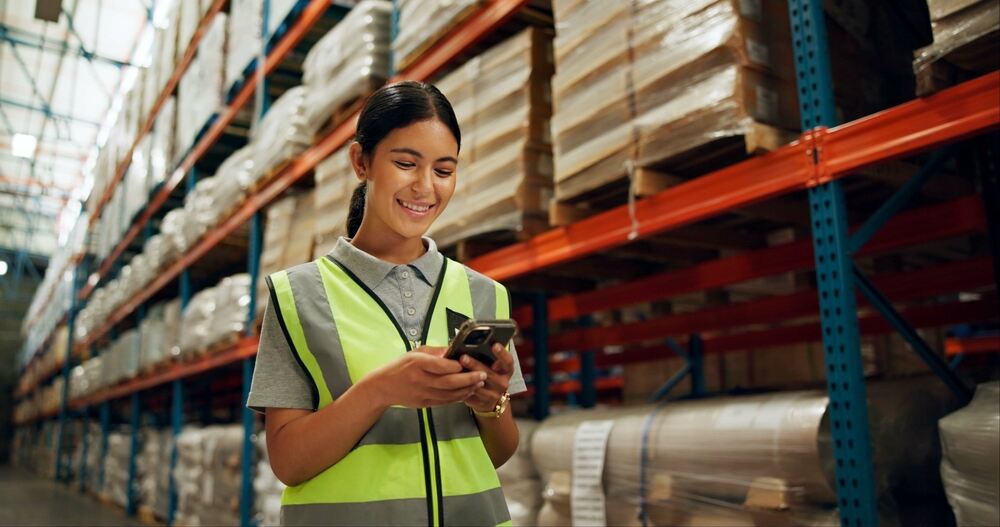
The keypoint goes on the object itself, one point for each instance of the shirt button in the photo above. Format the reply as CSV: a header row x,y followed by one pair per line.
x,y
413,332
406,274
411,311
408,294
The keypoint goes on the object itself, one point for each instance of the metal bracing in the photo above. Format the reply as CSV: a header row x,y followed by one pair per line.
x,y
33,41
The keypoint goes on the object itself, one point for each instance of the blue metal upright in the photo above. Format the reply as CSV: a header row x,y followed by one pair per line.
x,y
64,396
540,339
855,476
105,413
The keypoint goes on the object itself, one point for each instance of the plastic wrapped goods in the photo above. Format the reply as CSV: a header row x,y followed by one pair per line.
x,y
335,182
151,331
970,466
966,34
197,322
648,80
116,468
245,19
173,226
200,94
520,481
424,22
755,460
161,151
349,62
207,475
203,210
153,470
267,487
283,133
232,298
277,232
503,102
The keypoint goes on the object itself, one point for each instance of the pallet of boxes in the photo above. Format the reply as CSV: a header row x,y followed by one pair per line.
x,y
284,247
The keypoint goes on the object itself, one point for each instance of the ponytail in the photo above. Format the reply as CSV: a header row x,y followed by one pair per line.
x,y
356,211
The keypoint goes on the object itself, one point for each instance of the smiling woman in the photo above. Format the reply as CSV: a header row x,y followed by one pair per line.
x,y
362,430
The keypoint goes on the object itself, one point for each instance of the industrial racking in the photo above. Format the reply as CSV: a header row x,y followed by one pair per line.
x,y
824,154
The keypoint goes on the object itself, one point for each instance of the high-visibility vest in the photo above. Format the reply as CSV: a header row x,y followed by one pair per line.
x,y
414,466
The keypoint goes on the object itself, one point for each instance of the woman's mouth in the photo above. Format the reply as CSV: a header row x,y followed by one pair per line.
x,y
417,210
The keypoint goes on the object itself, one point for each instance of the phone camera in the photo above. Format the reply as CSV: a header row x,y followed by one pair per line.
x,y
478,336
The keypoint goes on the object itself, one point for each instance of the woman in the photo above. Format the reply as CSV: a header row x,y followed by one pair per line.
x,y
366,422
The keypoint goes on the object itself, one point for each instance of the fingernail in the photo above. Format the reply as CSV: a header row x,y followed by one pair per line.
x,y
481,384
482,375
465,359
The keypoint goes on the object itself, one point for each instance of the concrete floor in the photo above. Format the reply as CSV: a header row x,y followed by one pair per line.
x,y
28,500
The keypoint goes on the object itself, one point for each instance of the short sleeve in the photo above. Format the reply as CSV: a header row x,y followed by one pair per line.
x,y
517,384
278,379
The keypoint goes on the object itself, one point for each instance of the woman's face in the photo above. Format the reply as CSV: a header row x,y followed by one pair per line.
x,y
411,177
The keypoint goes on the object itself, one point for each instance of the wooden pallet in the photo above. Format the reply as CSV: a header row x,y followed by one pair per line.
x,y
147,515
613,192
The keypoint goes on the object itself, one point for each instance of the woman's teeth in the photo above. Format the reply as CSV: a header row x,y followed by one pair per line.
x,y
414,207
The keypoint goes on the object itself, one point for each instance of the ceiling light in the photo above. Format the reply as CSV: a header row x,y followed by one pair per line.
x,y
24,145
3,267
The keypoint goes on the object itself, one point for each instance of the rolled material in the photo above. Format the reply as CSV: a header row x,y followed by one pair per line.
x,y
737,456
970,468
520,482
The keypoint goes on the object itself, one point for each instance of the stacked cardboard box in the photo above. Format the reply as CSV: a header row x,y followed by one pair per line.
x,y
282,249
648,81
502,99
335,183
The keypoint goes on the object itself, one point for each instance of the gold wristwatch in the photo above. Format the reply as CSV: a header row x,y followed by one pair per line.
x,y
498,410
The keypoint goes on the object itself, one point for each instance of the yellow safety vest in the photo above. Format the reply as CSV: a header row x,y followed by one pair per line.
x,y
414,466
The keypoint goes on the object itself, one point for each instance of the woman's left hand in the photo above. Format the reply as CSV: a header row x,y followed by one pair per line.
x,y
497,379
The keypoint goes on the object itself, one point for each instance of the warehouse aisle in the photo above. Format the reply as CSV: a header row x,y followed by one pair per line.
x,y
26,499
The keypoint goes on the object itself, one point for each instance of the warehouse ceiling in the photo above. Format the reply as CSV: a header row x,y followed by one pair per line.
x,y
63,64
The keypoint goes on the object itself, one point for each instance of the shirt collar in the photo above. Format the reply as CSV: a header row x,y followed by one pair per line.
x,y
371,270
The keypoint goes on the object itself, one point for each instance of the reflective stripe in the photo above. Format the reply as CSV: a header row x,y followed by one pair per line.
x,y
397,426
289,312
369,473
389,512
484,299
319,328
453,421
484,508
357,315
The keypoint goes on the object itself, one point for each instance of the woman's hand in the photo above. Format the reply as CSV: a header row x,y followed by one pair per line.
x,y
423,378
485,398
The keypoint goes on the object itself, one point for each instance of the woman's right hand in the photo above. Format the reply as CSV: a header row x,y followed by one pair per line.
x,y
423,378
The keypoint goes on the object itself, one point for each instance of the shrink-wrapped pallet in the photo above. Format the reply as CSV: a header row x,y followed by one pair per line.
x,y
208,475
200,94
173,227
335,183
422,23
966,43
151,331
520,481
645,81
161,152
267,487
116,468
232,298
282,134
188,18
197,322
172,325
760,460
202,210
970,468
503,102
245,19
348,63
153,470
277,233
165,49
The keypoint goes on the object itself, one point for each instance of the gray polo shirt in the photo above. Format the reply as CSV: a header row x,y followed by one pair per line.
x,y
279,381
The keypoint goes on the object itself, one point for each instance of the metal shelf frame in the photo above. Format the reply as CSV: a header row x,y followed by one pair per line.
x,y
824,153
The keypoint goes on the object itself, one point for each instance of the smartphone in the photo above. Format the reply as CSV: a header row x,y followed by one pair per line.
x,y
476,338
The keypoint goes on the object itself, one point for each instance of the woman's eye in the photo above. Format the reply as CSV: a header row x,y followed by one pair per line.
x,y
444,173
405,165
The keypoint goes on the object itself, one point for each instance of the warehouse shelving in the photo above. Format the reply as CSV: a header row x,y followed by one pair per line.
x,y
819,158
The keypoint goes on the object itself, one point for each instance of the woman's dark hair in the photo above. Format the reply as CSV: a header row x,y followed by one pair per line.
x,y
390,107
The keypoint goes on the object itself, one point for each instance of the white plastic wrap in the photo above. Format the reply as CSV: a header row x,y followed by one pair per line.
x,y
207,475
520,481
245,19
201,92
423,22
503,104
957,24
173,226
755,460
970,468
232,298
350,61
283,133
153,470
266,487
161,153
116,468
154,349
197,322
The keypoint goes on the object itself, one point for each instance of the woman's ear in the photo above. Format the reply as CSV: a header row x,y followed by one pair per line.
x,y
358,160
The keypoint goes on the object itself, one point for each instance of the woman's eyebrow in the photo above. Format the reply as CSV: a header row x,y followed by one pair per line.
x,y
418,155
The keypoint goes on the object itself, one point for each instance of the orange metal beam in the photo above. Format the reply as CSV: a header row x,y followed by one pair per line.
x,y
246,347
172,83
947,116
989,344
